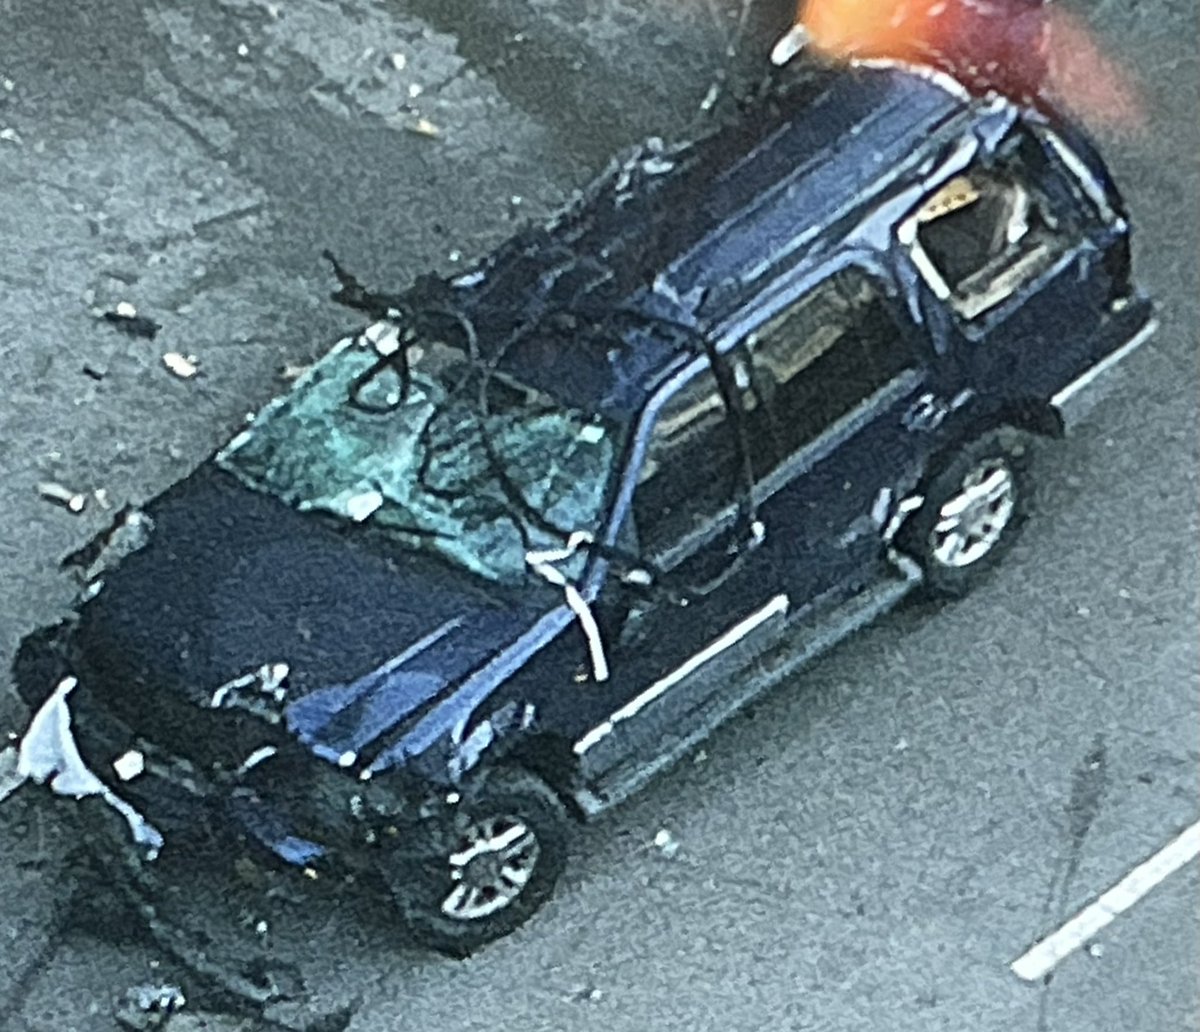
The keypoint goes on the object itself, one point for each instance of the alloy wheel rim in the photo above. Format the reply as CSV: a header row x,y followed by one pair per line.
x,y
493,864
971,522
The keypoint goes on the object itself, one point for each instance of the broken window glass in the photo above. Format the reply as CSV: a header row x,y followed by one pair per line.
x,y
988,232
831,350
433,457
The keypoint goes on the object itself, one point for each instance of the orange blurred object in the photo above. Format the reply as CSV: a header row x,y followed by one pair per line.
x,y
1022,48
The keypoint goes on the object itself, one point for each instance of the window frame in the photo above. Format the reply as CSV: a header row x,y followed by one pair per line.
x,y
994,302
920,350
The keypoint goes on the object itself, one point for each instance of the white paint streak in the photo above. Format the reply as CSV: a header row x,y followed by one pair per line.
x,y
776,607
1042,958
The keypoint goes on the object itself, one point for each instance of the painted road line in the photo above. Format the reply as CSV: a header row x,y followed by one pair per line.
x,y
1042,958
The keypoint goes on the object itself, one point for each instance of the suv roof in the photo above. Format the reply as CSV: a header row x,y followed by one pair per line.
x,y
682,233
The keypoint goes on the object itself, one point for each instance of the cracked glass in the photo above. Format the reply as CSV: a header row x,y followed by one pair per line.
x,y
478,468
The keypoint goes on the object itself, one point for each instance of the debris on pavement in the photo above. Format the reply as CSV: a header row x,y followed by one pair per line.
x,y
423,127
183,366
148,1006
10,778
52,491
125,317
666,843
10,135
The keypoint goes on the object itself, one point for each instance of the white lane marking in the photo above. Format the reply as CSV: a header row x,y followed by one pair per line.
x,y
777,605
1042,958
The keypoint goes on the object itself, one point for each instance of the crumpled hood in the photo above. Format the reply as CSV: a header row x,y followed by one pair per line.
x,y
232,579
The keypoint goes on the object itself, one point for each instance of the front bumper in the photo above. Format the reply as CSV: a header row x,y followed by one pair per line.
x,y
1074,402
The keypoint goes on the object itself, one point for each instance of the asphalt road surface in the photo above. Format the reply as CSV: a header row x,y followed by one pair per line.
x,y
874,844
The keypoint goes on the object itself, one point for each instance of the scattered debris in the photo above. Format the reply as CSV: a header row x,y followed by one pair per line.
x,y
1096,950
587,994
101,496
424,127
10,135
399,61
10,778
667,844
93,373
125,317
64,496
148,1006
243,50
901,744
183,366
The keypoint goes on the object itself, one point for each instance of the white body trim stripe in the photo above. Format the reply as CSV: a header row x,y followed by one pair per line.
x,y
1104,365
777,606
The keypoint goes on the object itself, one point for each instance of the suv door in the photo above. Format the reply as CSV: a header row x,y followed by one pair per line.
x,y
712,605
846,428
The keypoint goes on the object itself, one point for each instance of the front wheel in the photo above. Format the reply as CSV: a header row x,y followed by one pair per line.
x,y
975,505
496,867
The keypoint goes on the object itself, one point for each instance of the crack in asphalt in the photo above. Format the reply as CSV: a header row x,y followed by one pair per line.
x,y
1089,783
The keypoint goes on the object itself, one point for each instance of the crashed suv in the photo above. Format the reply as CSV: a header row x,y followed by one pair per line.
x,y
535,531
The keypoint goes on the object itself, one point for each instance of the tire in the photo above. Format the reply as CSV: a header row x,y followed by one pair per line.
x,y
497,866
957,546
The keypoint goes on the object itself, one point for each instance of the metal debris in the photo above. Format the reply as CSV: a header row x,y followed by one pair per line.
x,y
399,61
10,135
148,1006
64,496
125,317
183,366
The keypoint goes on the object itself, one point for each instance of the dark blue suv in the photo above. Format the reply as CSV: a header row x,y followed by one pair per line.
x,y
533,533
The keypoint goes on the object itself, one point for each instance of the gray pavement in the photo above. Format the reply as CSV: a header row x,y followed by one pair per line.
x,y
873,844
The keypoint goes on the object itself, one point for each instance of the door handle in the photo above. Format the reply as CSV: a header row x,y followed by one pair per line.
x,y
926,413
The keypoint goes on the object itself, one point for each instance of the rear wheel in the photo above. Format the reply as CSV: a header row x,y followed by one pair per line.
x,y
974,508
495,867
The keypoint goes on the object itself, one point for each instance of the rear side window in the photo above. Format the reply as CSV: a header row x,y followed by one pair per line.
x,y
989,231
825,355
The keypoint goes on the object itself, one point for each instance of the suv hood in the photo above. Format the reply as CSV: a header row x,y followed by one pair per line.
x,y
232,580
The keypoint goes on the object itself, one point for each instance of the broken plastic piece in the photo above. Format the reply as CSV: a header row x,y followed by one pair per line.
x,y
48,753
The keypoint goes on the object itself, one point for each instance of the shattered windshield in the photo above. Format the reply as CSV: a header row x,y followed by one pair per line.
x,y
479,469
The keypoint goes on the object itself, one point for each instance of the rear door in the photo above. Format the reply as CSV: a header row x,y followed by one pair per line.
x,y
846,428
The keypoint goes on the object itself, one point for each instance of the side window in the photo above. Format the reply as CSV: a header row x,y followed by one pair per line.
x,y
691,469
987,232
830,351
